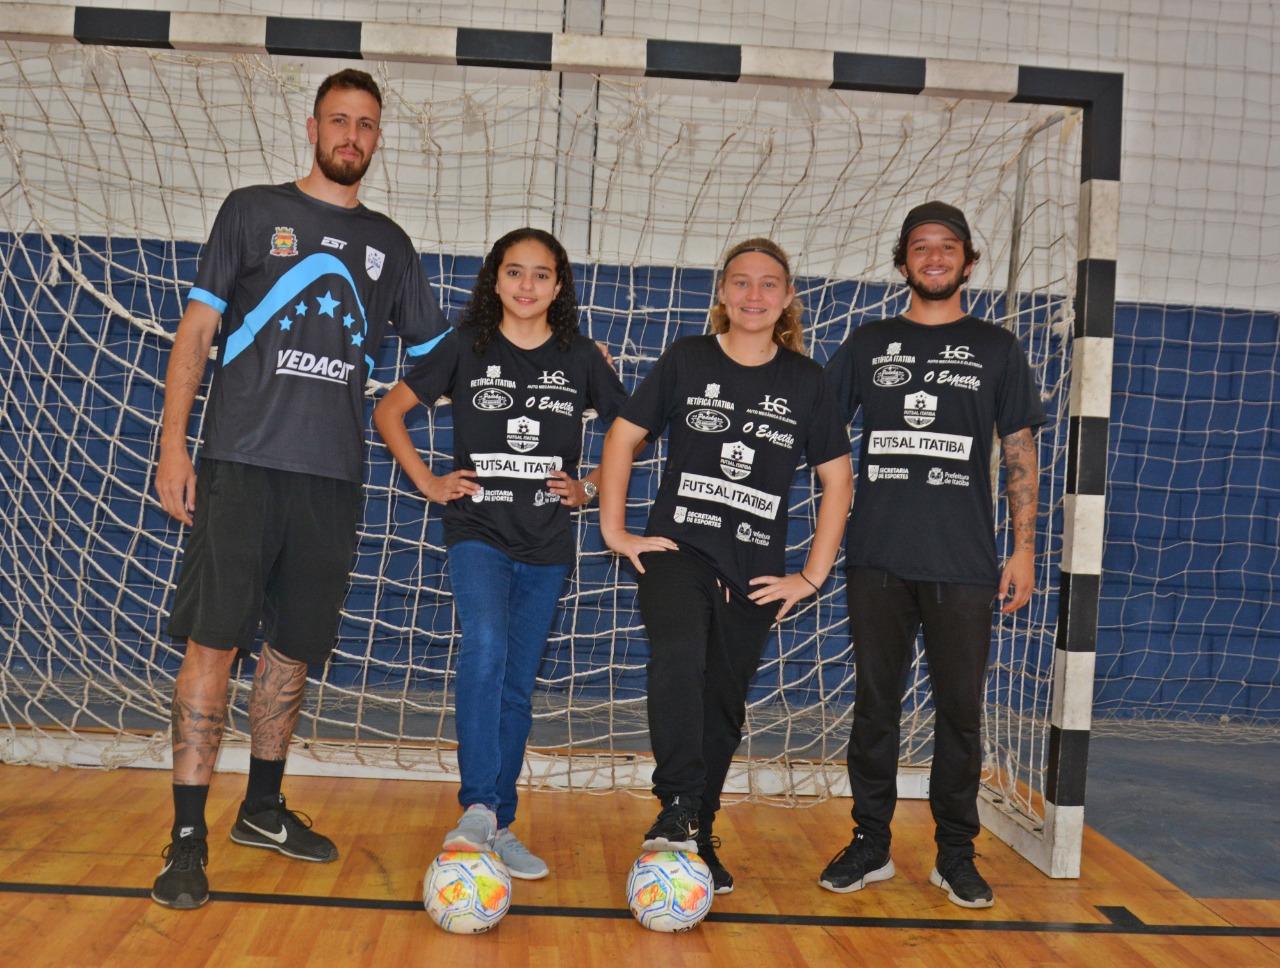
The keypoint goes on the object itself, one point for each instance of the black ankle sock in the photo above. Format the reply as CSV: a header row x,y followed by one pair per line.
x,y
265,777
188,809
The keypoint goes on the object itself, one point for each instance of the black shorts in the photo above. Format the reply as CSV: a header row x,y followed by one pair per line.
x,y
266,545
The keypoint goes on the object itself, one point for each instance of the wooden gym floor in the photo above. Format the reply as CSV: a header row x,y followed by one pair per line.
x,y
79,850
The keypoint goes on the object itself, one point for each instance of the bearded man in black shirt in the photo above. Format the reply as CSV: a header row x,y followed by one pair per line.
x,y
297,283
932,384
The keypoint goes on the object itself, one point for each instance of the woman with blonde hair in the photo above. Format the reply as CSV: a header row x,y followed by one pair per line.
x,y
743,407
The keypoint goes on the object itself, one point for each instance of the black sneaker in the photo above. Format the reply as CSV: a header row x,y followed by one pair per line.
x,y
675,829
964,885
278,828
183,884
861,863
722,879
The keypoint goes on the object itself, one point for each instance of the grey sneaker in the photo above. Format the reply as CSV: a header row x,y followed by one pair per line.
x,y
520,861
475,831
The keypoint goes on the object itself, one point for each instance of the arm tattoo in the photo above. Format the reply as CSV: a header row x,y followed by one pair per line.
x,y
197,734
278,686
1022,482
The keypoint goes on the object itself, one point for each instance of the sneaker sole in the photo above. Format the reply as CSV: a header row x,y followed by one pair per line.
x,y
183,902
872,877
938,881
725,890
249,840
521,875
661,843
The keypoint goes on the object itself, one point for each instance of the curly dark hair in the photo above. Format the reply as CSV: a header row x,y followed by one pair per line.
x,y
483,314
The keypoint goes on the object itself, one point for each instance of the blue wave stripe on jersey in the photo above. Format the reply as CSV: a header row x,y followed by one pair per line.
x,y
288,288
368,361
208,298
422,349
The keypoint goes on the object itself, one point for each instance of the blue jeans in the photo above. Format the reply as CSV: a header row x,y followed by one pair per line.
x,y
505,608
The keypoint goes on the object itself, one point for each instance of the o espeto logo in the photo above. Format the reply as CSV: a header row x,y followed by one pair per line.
x,y
284,242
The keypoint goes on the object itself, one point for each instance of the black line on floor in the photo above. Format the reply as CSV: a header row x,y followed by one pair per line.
x,y
1118,914
1118,923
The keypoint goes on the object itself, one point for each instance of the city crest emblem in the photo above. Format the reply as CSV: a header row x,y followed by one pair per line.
x,y
522,434
736,460
373,260
284,242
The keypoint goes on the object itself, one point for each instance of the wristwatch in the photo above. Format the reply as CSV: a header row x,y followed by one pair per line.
x,y
590,490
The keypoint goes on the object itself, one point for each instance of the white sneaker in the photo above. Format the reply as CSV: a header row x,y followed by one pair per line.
x,y
520,861
475,831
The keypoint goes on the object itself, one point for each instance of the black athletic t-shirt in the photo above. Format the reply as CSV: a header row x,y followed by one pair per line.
x,y
305,290
736,436
930,396
517,416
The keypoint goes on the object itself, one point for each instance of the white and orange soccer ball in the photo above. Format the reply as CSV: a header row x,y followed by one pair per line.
x,y
670,890
466,892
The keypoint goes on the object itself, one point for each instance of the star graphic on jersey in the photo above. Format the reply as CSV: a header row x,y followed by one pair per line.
x,y
301,308
286,323
356,339
347,320
327,304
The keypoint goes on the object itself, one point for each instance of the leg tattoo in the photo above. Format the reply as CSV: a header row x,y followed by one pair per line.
x,y
197,734
278,686
199,713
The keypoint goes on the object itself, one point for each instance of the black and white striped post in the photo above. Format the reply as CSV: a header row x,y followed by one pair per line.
x,y
1055,846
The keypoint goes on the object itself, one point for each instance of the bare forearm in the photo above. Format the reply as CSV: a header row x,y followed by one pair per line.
x,y
185,372
615,476
389,419
1022,486
833,511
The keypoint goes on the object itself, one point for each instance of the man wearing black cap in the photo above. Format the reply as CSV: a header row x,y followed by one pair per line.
x,y
920,548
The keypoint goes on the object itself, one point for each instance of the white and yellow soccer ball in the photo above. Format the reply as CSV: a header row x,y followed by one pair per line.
x,y
466,892
669,890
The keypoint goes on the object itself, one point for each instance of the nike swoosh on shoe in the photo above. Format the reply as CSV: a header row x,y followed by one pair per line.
x,y
279,837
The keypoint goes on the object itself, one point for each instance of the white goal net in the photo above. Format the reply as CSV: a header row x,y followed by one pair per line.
x,y
115,163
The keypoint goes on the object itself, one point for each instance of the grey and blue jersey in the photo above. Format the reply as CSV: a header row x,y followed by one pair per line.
x,y
306,290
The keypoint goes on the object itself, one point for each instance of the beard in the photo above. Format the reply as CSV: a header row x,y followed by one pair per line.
x,y
342,172
939,291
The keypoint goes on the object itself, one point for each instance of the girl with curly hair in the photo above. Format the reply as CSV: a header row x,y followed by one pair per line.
x,y
519,375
